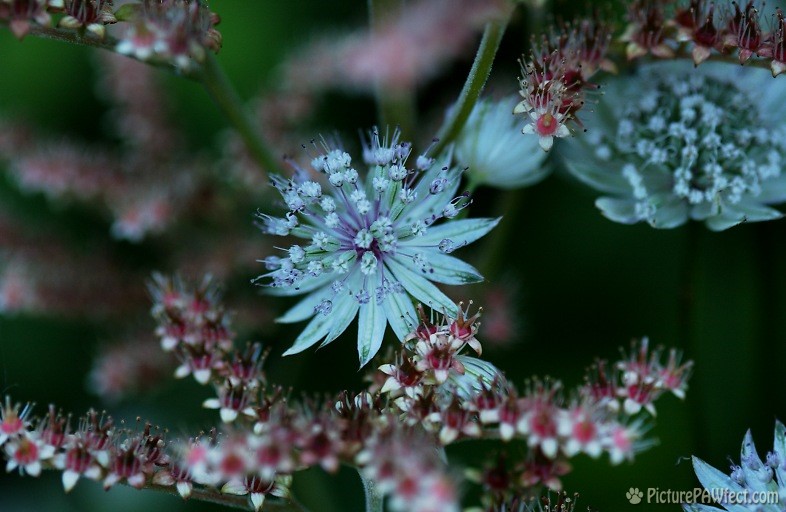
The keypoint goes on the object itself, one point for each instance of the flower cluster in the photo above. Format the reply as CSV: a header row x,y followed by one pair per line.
x,y
431,396
20,14
556,78
254,463
176,31
456,396
686,144
754,485
90,15
658,27
96,449
193,325
172,31
372,243
349,428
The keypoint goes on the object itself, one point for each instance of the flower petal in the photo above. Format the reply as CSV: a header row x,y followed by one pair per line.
x,y
371,329
618,210
305,308
401,314
711,479
753,477
451,270
461,232
317,329
308,284
344,311
732,215
420,288
779,447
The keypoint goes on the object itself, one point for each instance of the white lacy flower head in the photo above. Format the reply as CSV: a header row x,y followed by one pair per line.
x,y
372,245
491,147
674,143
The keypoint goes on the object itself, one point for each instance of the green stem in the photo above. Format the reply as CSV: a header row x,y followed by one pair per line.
x,y
220,89
476,80
394,107
374,500
209,74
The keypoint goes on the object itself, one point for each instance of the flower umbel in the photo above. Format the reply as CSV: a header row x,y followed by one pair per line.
x,y
372,243
689,144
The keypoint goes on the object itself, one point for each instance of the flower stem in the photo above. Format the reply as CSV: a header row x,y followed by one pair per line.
x,y
210,74
476,80
374,501
220,89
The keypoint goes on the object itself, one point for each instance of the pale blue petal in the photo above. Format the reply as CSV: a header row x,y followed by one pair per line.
x,y
420,288
316,329
779,446
424,181
429,205
618,210
308,284
478,375
711,479
671,214
371,329
345,309
460,232
401,314
448,269
732,215
305,308
698,507
773,191
753,478
597,175
481,369
702,211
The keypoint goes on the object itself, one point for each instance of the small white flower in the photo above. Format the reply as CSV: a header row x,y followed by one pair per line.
x,y
26,453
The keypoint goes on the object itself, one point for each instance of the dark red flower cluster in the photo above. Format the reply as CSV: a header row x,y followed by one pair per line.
x,y
661,27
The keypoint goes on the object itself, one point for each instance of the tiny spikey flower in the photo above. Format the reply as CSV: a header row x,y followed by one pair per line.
x,y
755,485
372,244
491,147
674,143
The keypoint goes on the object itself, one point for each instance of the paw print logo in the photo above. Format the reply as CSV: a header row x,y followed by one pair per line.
x,y
634,495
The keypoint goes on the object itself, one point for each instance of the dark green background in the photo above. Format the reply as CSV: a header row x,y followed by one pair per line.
x,y
587,287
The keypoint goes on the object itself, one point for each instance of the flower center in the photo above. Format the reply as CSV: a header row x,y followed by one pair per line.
x,y
547,124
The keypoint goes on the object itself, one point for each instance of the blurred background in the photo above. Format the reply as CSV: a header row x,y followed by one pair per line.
x,y
564,285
